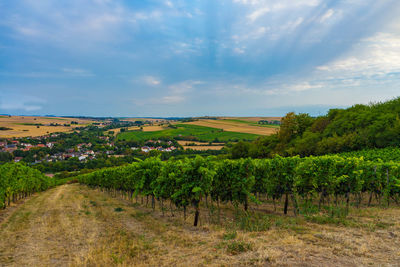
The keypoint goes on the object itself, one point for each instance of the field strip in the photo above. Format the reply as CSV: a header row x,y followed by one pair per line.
x,y
234,127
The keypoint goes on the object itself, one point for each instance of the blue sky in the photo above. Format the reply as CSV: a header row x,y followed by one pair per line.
x,y
199,57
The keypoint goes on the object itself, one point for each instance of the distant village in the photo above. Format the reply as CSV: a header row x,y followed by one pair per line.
x,y
81,151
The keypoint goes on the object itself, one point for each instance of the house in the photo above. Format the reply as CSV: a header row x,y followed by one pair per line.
x,y
10,148
83,157
26,145
145,149
18,159
50,144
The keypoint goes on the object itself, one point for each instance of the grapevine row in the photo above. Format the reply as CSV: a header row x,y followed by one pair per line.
x,y
18,181
190,181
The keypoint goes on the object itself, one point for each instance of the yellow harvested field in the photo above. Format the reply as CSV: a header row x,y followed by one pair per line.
x,y
186,143
23,126
201,148
235,127
253,119
145,119
200,145
153,128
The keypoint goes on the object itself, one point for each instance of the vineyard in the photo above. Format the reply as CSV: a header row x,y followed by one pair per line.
x,y
18,181
382,154
338,210
329,181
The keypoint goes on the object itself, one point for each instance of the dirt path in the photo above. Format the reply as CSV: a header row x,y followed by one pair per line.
x,y
73,225
48,230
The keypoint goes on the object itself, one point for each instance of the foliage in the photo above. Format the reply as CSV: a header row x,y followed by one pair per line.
x,y
341,130
18,181
301,180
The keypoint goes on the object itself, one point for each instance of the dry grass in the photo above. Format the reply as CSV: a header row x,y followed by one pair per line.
x,y
202,148
252,119
153,128
146,119
16,123
186,143
234,127
201,145
77,226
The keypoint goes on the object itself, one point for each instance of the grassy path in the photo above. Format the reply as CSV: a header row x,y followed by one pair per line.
x,y
72,225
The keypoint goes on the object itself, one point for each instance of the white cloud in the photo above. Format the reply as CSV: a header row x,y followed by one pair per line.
x,y
327,15
183,87
238,50
376,55
169,3
151,80
178,93
292,25
303,86
258,13
11,102
78,25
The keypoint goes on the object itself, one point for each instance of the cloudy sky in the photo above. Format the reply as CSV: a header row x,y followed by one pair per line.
x,y
197,57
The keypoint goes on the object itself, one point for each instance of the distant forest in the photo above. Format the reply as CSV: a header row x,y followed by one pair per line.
x,y
341,130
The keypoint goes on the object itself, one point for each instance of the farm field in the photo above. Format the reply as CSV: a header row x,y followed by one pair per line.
x,y
201,145
137,128
251,123
75,225
237,125
252,119
202,148
202,133
23,126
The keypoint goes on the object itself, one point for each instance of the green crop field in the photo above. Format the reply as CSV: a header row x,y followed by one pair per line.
x,y
201,133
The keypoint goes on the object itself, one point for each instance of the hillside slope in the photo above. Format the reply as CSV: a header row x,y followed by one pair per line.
x,y
340,130
75,225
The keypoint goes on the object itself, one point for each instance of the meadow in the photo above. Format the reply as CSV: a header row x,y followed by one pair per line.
x,y
188,131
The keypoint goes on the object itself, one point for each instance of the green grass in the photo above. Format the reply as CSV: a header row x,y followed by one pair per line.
x,y
202,133
252,123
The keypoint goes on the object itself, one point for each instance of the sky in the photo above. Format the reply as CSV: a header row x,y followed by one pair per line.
x,y
166,58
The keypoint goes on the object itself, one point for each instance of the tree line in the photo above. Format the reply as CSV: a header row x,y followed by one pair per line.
x,y
340,130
